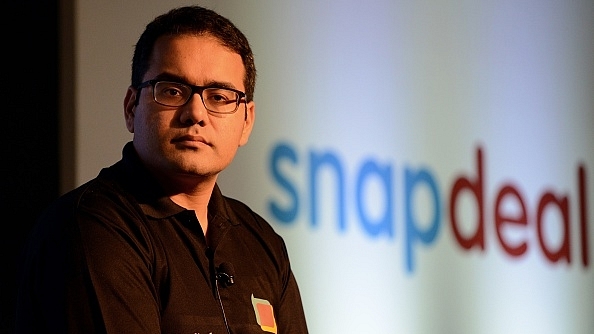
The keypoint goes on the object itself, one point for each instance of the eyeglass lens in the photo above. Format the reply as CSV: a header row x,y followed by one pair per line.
x,y
175,94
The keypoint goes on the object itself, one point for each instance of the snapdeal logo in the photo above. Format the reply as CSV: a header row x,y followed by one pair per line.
x,y
528,217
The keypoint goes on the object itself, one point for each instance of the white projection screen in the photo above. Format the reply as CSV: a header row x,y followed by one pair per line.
x,y
430,164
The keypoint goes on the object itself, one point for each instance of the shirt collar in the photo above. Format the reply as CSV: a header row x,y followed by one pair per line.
x,y
137,180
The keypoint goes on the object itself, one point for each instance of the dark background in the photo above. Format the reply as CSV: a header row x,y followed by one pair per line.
x,y
29,127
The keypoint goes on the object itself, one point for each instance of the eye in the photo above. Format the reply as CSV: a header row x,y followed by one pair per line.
x,y
169,91
219,96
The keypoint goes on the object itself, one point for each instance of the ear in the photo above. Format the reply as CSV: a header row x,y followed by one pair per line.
x,y
130,108
248,123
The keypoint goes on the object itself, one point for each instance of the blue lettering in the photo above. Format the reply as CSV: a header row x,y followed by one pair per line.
x,y
413,232
284,152
317,161
384,223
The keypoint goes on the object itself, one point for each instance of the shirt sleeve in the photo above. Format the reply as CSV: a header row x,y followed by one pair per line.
x,y
88,271
113,272
291,316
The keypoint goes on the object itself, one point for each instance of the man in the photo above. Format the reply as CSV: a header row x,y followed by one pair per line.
x,y
151,245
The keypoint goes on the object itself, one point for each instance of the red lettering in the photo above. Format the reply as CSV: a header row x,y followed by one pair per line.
x,y
563,252
583,215
476,189
511,212
506,194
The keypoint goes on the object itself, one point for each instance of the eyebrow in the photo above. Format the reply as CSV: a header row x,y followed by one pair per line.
x,y
179,79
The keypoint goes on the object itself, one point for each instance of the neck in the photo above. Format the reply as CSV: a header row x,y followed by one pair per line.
x,y
198,202
192,196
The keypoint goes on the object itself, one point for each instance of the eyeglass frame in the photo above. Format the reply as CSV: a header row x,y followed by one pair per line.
x,y
194,90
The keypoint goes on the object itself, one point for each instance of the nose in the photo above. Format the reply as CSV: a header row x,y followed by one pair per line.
x,y
194,111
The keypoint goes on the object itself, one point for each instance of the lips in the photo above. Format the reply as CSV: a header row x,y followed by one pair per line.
x,y
190,140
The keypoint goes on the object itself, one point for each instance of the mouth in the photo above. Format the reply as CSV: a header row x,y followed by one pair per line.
x,y
190,141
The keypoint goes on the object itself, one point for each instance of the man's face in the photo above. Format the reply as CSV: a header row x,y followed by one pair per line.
x,y
177,142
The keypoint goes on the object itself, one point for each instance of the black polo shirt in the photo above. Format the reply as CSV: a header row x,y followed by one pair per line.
x,y
117,256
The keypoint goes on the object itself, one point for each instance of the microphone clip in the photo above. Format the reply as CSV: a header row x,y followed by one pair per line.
x,y
225,274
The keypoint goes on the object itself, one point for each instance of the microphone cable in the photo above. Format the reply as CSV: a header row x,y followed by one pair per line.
x,y
224,273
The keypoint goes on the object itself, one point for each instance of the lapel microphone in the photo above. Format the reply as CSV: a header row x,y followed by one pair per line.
x,y
225,274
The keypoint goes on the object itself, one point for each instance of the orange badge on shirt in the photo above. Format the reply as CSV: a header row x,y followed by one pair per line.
x,y
264,314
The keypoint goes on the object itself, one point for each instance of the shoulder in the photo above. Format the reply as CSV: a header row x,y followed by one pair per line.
x,y
100,200
241,213
98,194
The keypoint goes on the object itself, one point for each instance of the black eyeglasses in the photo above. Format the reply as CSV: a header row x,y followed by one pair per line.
x,y
175,94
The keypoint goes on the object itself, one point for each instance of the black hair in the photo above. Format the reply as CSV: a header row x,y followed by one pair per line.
x,y
193,20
